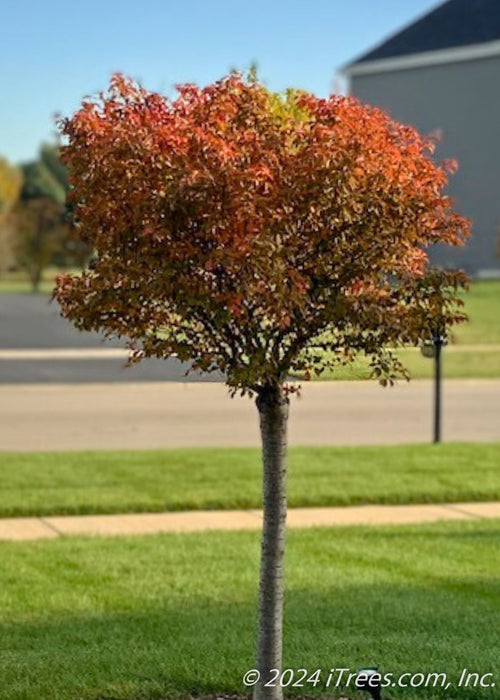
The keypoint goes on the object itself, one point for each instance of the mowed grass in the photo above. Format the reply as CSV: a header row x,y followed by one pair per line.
x,y
467,355
482,304
480,363
21,286
460,360
17,282
174,615
226,478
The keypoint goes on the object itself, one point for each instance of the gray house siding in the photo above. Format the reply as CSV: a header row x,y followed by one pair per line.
x,y
461,100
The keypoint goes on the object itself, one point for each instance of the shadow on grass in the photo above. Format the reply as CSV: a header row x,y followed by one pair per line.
x,y
205,647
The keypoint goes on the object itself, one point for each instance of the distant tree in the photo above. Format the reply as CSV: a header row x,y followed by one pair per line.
x,y
40,235
46,176
44,234
71,249
10,186
258,234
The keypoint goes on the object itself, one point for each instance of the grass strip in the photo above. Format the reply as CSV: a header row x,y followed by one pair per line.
x,y
60,483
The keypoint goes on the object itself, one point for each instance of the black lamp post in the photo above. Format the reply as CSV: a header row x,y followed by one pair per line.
x,y
370,679
433,348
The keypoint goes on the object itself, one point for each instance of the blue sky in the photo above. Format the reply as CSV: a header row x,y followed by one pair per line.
x,y
54,53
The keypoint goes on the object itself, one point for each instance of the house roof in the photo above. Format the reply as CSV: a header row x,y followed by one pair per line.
x,y
454,24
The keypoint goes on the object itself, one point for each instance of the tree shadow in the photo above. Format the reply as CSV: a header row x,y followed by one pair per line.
x,y
201,648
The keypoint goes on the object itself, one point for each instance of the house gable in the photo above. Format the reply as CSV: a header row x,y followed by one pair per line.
x,y
456,30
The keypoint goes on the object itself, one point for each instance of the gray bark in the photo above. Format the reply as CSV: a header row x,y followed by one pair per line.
x,y
273,413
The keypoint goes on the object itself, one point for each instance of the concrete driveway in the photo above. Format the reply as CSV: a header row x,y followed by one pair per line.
x,y
171,414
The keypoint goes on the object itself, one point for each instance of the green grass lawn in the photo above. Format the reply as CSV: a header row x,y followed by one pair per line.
x,y
209,478
482,304
457,363
172,615
18,282
21,286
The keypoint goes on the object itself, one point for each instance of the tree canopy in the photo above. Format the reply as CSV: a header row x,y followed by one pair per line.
x,y
257,233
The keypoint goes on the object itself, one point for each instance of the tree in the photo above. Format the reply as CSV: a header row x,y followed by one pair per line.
x,y
39,215
43,231
10,186
258,234
52,178
40,235
46,176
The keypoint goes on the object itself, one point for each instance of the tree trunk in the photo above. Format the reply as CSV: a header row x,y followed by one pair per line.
x,y
36,278
273,413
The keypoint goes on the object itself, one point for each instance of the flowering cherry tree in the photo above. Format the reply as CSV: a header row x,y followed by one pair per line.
x,y
258,234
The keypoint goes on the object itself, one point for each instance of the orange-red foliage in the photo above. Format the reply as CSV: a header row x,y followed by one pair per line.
x,y
249,232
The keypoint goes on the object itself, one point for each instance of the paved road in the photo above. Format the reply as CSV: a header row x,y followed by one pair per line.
x,y
97,370
171,414
54,399
32,321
